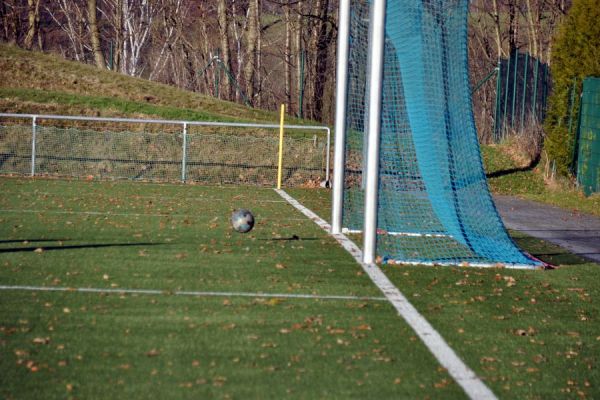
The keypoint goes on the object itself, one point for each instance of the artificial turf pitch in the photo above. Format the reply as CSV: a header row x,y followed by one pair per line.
x,y
528,334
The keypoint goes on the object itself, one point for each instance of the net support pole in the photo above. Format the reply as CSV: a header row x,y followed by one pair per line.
x,y
33,139
280,161
514,92
524,91
184,152
341,99
498,101
327,156
377,42
535,90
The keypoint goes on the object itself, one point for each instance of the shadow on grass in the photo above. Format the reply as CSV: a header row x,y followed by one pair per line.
x,y
74,246
530,167
293,237
547,252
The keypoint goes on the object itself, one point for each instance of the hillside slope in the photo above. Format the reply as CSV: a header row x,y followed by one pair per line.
x,y
33,82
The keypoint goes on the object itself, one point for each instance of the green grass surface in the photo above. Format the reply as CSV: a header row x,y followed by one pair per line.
x,y
505,177
175,237
529,334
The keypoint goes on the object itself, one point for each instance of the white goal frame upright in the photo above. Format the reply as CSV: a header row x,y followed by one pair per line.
x,y
376,52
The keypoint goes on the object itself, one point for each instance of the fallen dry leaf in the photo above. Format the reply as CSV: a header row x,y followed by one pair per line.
x,y
153,353
363,327
510,281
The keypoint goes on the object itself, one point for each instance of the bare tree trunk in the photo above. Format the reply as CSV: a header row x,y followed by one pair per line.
x,y
70,17
95,35
5,19
258,90
533,40
238,33
33,20
312,50
318,47
10,21
299,56
138,19
513,26
205,82
225,50
288,59
251,40
321,61
119,37
496,18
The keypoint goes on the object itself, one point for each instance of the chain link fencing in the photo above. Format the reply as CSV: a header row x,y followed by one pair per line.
x,y
217,153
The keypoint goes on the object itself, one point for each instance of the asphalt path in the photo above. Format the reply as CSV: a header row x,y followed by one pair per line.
x,y
576,232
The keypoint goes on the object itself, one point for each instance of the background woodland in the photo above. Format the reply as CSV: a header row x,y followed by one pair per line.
x,y
258,52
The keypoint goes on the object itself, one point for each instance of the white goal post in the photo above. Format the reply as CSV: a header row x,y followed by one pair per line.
x,y
376,48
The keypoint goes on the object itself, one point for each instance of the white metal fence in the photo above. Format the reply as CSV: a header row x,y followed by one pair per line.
x,y
162,150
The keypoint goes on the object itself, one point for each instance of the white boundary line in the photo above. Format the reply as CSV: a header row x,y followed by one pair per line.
x,y
444,263
113,214
99,213
188,293
409,234
462,374
184,199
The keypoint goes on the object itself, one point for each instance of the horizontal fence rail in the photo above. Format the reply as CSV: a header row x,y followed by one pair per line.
x,y
163,154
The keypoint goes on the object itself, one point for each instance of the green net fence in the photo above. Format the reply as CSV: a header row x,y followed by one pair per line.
x,y
588,156
211,156
522,94
434,205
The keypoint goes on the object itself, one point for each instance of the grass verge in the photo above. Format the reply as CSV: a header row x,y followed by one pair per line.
x,y
506,177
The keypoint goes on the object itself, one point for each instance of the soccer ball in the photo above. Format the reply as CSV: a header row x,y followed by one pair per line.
x,y
242,220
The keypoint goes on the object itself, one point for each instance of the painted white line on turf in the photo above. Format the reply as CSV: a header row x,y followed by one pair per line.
x,y
132,197
98,213
112,214
460,372
188,293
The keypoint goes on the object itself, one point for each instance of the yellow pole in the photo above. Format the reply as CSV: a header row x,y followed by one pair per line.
x,y
280,165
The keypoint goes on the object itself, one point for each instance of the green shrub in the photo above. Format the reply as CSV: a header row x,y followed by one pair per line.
x,y
574,57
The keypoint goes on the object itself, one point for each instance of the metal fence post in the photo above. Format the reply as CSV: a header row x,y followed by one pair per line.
x,y
524,94
328,158
535,88
514,93
184,152
33,134
503,128
498,100
544,92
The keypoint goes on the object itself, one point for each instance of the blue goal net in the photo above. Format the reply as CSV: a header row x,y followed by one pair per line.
x,y
434,205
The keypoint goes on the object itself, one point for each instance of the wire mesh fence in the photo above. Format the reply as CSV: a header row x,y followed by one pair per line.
x,y
157,150
522,88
